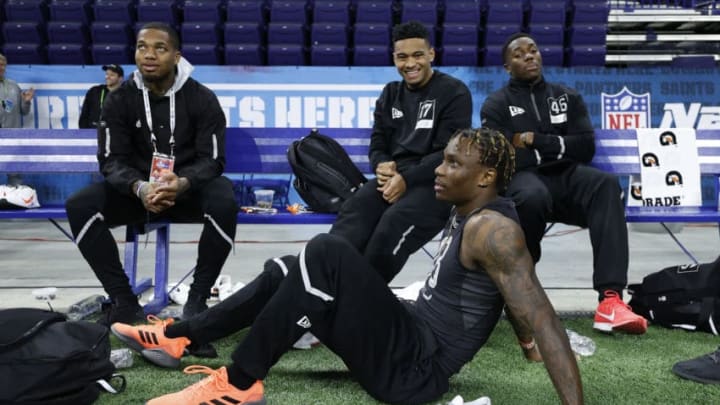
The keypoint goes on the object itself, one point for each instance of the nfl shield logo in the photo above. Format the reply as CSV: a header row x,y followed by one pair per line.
x,y
625,110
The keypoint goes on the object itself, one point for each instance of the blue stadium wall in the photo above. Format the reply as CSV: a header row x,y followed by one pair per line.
x,y
309,96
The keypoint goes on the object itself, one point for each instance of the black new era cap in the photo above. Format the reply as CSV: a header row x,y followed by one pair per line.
x,y
115,68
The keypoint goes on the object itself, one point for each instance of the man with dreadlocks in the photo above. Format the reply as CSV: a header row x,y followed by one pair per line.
x,y
400,352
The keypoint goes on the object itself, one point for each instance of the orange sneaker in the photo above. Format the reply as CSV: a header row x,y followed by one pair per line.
x,y
150,341
215,389
614,315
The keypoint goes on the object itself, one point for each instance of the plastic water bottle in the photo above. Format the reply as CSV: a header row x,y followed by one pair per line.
x,y
85,307
121,358
581,345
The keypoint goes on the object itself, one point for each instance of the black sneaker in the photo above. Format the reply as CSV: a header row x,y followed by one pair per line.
x,y
204,350
704,369
194,305
129,313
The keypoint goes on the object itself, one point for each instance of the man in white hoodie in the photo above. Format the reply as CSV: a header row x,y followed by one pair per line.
x,y
161,149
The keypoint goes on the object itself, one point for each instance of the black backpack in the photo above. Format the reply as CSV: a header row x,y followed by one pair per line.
x,y
45,359
686,297
325,176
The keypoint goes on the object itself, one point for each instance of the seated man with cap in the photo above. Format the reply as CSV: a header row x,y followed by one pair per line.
x,y
95,97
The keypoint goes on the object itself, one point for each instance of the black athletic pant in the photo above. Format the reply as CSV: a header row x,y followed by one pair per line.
x,y
93,210
332,292
583,196
387,234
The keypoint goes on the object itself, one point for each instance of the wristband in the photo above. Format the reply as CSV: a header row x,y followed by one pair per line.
x,y
138,188
527,345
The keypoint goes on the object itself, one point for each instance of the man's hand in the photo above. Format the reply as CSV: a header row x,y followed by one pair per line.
x,y
27,95
385,171
393,189
157,197
523,139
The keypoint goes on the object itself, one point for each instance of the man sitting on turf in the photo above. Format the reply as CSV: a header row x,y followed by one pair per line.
x,y
398,351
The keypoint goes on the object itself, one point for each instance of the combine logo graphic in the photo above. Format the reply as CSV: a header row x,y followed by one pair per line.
x,y
636,191
668,138
673,178
625,110
650,160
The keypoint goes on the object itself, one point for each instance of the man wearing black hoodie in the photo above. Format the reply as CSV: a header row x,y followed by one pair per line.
x,y
549,126
164,119
396,213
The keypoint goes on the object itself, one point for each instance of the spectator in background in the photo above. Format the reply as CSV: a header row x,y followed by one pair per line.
x,y
15,103
549,126
95,97
396,213
161,118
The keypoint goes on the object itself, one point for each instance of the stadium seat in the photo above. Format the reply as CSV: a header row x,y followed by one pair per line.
x,y
69,54
201,33
329,34
244,54
202,54
510,12
246,11
460,34
70,10
109,32
371,34
331,12
68,32
548,34
329,55
158,10
25,53
591,55
548,12
424,12
26,10
595,34
286,55
24,32
463,12
202,10
286,11
496,34
115,10
493,56
590,12
244,32
374,12
286,33
552,55
104,54
459,55
371,55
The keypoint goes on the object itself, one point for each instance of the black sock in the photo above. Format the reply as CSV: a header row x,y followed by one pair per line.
x,y
178,329
239,378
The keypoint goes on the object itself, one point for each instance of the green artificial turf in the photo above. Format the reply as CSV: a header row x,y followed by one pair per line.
x,y
624,370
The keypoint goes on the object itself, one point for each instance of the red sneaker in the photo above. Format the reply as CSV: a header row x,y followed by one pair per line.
x,y
614,315
150,341
215,389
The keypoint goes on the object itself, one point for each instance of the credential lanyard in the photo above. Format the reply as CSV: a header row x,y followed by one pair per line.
x,y
148,117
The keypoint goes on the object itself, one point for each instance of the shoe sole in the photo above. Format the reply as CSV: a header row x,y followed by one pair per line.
x,y
631,327
682,374
260,402
160,357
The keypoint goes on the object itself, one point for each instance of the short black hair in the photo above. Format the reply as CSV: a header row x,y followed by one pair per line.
x,y
512,38
410,29
174,38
